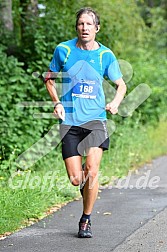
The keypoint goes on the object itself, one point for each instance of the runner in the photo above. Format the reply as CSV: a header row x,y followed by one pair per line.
x,y
81,107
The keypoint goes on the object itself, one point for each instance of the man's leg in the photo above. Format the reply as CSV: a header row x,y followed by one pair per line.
x,y
74,169
90,191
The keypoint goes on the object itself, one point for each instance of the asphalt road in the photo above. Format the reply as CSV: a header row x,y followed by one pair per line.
x,y
128,217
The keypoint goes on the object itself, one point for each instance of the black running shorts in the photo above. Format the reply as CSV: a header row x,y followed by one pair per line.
x,y
77,139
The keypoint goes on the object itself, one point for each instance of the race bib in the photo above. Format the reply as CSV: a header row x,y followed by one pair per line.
x,y
85,89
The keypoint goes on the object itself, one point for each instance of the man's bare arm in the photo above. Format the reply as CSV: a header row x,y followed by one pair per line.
x,y
112,107
58,109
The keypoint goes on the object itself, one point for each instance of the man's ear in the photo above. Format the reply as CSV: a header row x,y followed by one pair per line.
x,y
97,28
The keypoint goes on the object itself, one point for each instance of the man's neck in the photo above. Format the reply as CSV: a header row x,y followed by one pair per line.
x,y
92,45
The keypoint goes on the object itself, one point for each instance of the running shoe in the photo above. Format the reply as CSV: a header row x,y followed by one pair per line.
x,y
85,230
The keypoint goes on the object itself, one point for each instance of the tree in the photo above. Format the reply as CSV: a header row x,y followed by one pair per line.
x,y
6,16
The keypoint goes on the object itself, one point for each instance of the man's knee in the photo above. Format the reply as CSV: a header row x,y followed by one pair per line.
x,y
76,180
91,171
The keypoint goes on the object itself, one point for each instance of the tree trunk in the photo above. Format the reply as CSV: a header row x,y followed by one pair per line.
x,y
6,15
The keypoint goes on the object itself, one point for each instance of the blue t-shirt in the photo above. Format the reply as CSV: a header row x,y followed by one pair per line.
x,y
83,72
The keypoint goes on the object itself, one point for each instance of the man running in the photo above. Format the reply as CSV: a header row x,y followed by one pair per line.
x,y
81,107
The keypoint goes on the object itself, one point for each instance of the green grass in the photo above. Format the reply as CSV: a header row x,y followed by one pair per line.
x,y
30,194
18,207
35,193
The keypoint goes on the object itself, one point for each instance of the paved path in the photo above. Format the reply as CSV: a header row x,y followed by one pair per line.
x,y
129,217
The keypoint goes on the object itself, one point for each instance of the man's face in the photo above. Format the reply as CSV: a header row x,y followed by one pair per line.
x,y
86,28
